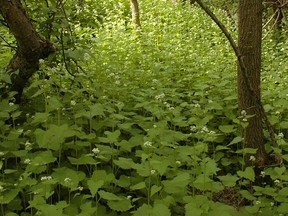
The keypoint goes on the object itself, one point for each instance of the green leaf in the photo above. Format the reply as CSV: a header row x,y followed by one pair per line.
x,y
138,186
178,184
209,166
43,158
155,189
108,196
102,175
53,137
144,210
120,205
193,209
96,110
235,140
160,166
160,210
248,173
247,195
283,192
84,159
227,128
7,196
68,177
280,170
228,180
94,186
40,118
124,163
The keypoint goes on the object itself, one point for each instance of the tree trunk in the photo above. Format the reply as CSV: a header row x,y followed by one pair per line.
x,y
249,95
31,47
135,13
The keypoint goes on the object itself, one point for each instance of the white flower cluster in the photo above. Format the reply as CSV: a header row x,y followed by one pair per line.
x,y
27,161
147,144
160,96
95,150
73,103
206,130
44,178
168,105
67,180
28,145
243,116
252,158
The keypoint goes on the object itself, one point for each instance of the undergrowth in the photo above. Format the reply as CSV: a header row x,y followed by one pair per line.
x,y
148,125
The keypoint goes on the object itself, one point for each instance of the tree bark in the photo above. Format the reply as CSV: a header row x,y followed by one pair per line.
x,y
30,46
249,43
135,13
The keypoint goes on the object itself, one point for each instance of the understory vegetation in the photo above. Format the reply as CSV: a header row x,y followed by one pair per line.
x,y
125,121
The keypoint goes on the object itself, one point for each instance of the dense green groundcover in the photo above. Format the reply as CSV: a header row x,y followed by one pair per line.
x,y
148,125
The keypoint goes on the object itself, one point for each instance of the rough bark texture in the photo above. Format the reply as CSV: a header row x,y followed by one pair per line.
x,y
135,13
31,47
249,43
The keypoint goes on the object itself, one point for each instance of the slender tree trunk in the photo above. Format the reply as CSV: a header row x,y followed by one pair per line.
x,y
135,13
31,47
249,43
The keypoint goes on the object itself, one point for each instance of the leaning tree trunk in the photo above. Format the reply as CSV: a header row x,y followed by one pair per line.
x,y
30,46
249,43
135,13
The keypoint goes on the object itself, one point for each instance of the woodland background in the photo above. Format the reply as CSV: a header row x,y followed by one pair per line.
x,y
143,108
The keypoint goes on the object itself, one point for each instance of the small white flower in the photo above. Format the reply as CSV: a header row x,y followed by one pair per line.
x,y
258,202
262,173
244,120
11,104
160,96
243,113
205,129
95,150
27,161
197,105
1,154
212,132
281,135
178,163
73,103
41,61
27,144
147,144
252,158
192,128
43,178
276,181
129,197
171,108
154,126
67,180
153,172
48,97
80,188
277,113
272,203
